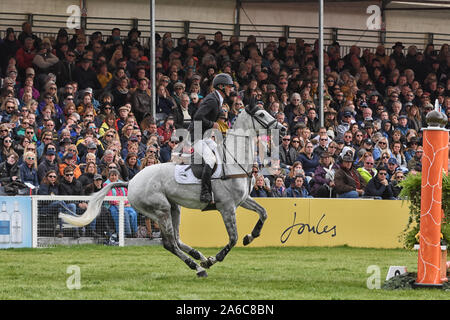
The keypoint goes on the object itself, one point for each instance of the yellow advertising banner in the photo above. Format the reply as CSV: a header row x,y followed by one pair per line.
x,y
305,222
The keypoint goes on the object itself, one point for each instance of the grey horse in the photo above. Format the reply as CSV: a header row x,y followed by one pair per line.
x,y
155,193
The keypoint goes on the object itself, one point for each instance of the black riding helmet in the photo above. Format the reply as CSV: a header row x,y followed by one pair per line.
x,y
222,79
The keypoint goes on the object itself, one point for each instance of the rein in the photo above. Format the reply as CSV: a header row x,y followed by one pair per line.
x,y
245,174
232,176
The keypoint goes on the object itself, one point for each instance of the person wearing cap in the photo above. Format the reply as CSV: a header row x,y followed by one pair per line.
x,y
8,48
89,143
206,118
69,160
85,76
323,182
44,58
88,92
379,186
95,186
178,89
398,55
165,154
348,181
367,144
48,163
121,120
132,39
344,126
392,166
416,162
403,124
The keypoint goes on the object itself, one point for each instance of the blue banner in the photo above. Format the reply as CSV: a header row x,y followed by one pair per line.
x,y
15,222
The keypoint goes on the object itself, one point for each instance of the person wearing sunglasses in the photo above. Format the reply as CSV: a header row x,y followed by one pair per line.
x,y
49,217
368,171
288,152
416,162
48,162
398,177
379,187
71,186
28,169
7,146
8,109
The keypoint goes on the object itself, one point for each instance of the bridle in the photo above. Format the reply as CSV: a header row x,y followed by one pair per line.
x,y
266,126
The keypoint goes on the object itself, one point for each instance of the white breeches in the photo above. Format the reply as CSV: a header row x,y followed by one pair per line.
x,y
205,148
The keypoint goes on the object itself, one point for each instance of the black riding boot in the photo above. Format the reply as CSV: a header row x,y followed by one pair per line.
x,y
205,193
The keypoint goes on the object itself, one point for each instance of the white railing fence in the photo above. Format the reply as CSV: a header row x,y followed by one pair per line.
x,y
116,224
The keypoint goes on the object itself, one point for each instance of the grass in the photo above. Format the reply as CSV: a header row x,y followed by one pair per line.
x,y
247,273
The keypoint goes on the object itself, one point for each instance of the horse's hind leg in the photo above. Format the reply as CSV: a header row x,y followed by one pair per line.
x,y
175,212
229,218
251,204
170,243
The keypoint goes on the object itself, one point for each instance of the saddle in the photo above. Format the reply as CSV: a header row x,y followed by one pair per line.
x,y
192,173
197,169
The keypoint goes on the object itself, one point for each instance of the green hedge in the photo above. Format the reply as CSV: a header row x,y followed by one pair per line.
x,y
411,191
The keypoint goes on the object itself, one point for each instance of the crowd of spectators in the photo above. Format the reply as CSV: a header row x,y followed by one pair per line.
x,y
81,105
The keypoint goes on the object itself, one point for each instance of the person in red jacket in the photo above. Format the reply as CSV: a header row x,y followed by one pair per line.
x,y
165,131
25,55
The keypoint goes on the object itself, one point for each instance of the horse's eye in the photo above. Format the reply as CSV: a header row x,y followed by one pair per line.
x,y
261,115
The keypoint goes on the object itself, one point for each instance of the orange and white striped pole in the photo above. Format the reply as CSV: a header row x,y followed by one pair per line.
x,y
434,165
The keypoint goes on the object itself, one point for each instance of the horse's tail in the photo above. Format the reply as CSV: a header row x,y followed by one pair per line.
x,y
93,209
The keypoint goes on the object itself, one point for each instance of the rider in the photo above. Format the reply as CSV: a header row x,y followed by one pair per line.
x,y
207,115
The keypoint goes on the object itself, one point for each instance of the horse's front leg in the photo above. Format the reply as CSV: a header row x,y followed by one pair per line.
x,y
175,212
229,218
251,204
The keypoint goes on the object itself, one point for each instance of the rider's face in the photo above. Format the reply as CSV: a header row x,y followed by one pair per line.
x,y
227,90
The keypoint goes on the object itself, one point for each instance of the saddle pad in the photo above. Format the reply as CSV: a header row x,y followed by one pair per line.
x,y
183,176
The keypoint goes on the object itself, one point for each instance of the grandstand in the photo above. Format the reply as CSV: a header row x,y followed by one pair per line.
x,y
79,94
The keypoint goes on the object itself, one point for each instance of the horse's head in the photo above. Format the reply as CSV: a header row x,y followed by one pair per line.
x,y
263,120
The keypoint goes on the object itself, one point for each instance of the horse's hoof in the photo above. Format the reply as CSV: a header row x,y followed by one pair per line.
x,y
247,239
202,274
207,263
